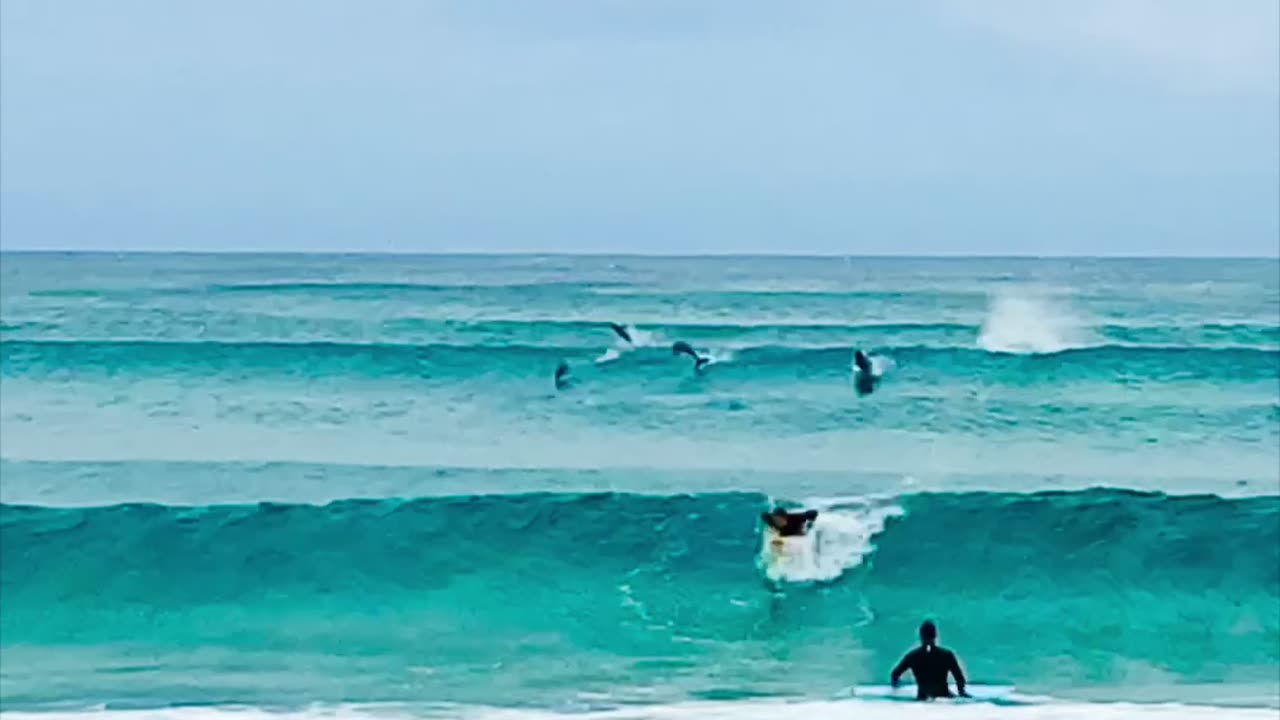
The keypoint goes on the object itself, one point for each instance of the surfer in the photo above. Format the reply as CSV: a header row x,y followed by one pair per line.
x,y
789,524
622,332
865,377
681,347
929,664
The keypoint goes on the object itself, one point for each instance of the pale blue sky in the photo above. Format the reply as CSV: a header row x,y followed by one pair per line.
x,y
905,127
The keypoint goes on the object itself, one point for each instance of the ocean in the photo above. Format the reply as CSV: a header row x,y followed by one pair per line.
x,y
347,486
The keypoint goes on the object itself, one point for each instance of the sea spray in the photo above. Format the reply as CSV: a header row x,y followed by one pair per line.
x,y
639,339
838,541
1031,321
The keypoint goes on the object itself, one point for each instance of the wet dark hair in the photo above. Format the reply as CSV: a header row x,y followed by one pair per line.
x,y
928,631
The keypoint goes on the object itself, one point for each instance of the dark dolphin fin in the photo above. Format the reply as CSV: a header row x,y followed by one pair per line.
x,y
562,375
865,379
865,383
621,331
862,361
681,347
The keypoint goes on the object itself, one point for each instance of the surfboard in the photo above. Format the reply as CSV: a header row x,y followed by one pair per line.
x,y
998,694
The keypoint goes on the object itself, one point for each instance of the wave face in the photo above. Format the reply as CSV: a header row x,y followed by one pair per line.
x,y
734,368
274,481
651,585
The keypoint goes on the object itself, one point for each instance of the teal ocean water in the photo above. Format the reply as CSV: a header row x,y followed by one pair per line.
x,y
347,486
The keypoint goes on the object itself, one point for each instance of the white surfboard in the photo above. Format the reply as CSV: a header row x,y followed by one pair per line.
x,y
907,691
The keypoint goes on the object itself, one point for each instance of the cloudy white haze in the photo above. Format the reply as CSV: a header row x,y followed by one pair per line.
x,y
948,127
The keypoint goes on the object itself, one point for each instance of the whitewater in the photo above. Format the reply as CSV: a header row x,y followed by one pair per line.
x,y
335,486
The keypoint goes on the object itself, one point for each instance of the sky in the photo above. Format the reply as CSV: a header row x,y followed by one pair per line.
x,y
911,127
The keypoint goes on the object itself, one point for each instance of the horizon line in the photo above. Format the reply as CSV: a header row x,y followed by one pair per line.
x,y
630,254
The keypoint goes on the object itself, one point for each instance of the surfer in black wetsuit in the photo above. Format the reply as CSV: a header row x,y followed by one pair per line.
x,y
930,665
789,524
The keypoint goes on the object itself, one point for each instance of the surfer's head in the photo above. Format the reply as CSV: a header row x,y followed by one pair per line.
x,y
790,523
928,633
777,518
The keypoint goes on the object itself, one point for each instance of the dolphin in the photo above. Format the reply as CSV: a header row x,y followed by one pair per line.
x,y
622,332
681,347
562,376
865,378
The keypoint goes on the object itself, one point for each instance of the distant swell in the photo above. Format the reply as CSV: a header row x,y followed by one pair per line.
x,y
1006,331
471,285
41,358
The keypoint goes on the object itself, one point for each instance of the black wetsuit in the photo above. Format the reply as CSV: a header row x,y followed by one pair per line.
x,y
794,524
930,665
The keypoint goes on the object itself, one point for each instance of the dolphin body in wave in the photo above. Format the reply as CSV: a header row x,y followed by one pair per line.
x,y
865,378
562,378
622,332
681,347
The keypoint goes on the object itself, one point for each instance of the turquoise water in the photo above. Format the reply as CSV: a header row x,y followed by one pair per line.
x,y
349,483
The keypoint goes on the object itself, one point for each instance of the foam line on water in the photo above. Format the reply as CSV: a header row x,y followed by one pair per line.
x,y
770,709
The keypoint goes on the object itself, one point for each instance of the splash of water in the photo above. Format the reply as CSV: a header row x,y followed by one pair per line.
x,y
639,339
840,539
880,364
1026,322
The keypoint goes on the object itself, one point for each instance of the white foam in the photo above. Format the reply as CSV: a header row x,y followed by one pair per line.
x,y
755,709
840,539
880,364
610,355
639,339
1029,321
715,357
892,710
